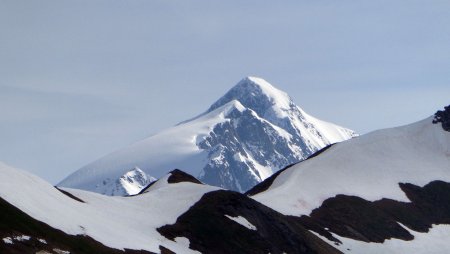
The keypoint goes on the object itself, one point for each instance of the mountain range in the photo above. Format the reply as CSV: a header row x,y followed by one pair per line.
x,y
383,192
243,138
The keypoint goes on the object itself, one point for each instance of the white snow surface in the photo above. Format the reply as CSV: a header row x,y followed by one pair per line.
x,y
22,238
280,99
242,221
433,242
156,155
58,251
117,222
185,242
8,240
331,132
178,147
370,166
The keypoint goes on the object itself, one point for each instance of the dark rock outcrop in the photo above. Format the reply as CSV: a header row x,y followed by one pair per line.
x,y
70,195
178,176
443,116
210,231
359,219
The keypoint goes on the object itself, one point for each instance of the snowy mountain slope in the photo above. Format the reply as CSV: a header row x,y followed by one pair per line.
x,y
20,233
176,214
370,166
117,222
251,132
389,184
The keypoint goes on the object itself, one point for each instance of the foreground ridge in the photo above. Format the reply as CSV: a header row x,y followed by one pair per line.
x,y
384,192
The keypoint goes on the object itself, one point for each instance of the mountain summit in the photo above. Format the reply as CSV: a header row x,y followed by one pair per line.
x,y
242,139
256,94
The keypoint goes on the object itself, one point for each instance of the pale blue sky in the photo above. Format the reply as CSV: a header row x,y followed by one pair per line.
x,y
80,79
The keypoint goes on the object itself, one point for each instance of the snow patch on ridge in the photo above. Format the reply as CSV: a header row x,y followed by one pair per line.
x,y
8,240
22,238
242,221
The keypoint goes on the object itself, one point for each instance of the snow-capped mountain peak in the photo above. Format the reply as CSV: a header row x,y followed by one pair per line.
x,y
258,95
134,180
277,107
130,183
252,131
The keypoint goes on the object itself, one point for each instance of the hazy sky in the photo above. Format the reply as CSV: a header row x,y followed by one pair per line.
x,y
80,79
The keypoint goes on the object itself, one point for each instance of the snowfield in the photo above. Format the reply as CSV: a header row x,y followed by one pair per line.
x,y
117,222
370,166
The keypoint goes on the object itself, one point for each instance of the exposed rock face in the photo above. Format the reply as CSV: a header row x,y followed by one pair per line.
x,y
265,132
244,150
